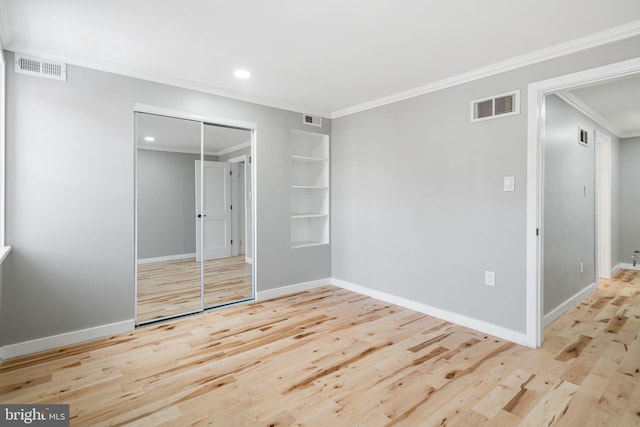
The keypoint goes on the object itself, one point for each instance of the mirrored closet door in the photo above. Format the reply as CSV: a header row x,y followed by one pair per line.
x,y
193,216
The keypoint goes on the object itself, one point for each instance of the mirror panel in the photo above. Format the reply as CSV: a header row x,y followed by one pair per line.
x,y
193,207
169,278
226,268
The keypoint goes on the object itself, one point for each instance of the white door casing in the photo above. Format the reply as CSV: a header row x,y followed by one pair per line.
x,y
535,133
213,210
604,204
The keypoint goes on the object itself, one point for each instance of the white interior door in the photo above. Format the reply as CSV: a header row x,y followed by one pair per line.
x,y
213,211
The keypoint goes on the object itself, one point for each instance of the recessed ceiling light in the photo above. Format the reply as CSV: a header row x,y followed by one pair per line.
x,y
149,138
242,74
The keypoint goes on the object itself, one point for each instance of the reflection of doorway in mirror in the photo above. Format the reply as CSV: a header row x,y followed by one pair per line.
x,y
240,203
170,278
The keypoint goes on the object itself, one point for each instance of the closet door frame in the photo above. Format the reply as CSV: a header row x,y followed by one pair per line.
x,y
211,120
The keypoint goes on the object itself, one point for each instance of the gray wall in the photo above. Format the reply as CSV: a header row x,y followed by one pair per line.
x,y
166,203
418,209
70,198
569,216
629,198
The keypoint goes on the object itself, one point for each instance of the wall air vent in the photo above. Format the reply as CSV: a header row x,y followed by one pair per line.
x,y
310,120
41,67
506,104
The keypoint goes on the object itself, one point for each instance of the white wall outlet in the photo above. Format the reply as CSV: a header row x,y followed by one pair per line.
x,y
509,183
581,267
490,278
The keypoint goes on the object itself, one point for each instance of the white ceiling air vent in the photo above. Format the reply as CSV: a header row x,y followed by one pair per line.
x,y
506,104
41,67
308,119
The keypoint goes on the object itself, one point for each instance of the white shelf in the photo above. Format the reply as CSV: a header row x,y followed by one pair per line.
x,y
308,215
306,159
309,177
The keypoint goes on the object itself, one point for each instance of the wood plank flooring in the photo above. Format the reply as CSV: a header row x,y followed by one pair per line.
x,y
171,288
337,358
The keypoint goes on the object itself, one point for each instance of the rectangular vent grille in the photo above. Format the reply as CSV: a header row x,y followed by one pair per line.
x,y
583,137
41,67
310,120
497,106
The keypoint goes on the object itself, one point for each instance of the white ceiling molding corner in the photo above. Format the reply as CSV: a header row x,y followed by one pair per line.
x,y
124,70
597,39
168,149
577,103
234,148
631,135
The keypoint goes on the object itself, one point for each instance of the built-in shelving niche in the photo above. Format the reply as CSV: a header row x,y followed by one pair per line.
x,y
309,188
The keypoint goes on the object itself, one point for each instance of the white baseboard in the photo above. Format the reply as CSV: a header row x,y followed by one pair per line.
x,y
615,270
292,289
248,260
568,305
626,266
459,319
69,338
166,258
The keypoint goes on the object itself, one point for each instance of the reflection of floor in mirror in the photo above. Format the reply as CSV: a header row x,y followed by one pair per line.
x,y
171,288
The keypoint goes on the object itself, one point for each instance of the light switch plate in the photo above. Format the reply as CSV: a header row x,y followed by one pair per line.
x,y
509,183
490,278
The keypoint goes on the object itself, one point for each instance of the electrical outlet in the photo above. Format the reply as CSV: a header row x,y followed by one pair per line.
x,y
581,267
490,278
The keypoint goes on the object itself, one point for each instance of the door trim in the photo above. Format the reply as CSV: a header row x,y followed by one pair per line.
x,y
603,205
243,159
535,134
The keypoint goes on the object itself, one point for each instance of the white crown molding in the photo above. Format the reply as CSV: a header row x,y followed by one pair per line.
x,y
169,149
6,35
189,151
234,148
597,39
579,105
124,70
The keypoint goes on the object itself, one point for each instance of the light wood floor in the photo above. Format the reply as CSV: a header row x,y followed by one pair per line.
x,y
171,288
330,357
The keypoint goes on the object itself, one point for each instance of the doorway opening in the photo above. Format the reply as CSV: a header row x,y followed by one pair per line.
x,y
537,98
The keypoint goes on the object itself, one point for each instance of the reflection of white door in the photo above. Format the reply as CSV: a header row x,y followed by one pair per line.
x,y
215,215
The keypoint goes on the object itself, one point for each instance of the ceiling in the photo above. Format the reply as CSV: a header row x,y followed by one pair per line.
x,y
183,136
329,58
616,104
